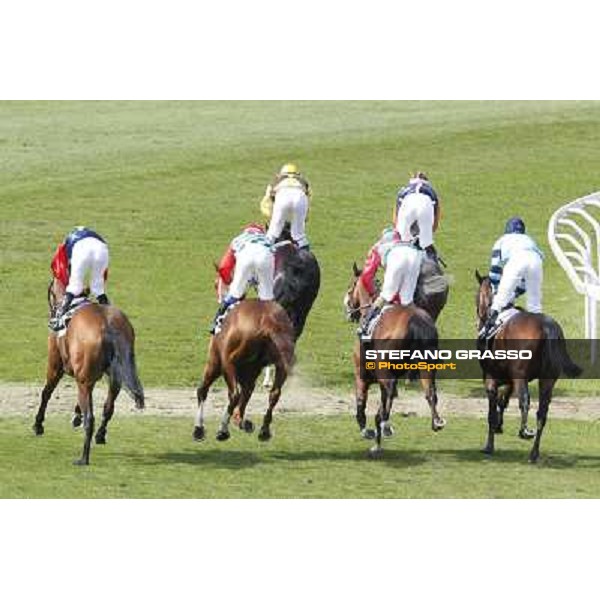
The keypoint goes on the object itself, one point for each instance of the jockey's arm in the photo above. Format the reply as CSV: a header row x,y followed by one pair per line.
x,y
367,276
226,266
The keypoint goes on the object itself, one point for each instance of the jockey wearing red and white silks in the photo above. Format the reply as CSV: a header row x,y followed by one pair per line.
x,y
402,263
248,258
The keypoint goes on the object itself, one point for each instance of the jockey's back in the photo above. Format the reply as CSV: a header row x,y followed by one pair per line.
x,y
250,237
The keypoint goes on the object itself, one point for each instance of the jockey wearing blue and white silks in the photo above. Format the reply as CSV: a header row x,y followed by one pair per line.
x,y
417,212
516,267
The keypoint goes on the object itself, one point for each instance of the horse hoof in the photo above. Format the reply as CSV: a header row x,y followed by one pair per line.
x,y
438,424
38,429
499,430
247,426
199,433
533,458
81,462
368,434
387,431
100,439
488,451
264,436
375,452
222,436
526,433
76,421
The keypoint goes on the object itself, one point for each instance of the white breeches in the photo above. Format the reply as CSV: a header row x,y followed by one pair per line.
x,y
523,265
89,255
416,208
291,204
254,261
402,273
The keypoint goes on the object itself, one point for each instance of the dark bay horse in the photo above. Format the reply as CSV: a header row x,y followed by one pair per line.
x,y
255,334
399,328
99,340
544,337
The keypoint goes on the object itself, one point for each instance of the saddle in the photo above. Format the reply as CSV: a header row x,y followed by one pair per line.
x,y
503,318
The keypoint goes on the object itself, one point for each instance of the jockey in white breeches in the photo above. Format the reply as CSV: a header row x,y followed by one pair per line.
x,y
417,212
83,251
402,264
248,258
516,267
287,200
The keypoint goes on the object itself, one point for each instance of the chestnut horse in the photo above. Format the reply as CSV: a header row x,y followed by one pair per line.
x,y
544,337
99,340
256,333
399,328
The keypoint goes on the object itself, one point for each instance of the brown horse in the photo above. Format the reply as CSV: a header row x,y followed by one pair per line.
x,y
399,328
99,340
537,333
255,334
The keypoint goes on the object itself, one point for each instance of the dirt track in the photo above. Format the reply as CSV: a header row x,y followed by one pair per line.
x,y
22,399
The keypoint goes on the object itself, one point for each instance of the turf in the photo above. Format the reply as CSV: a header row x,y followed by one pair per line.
x,y
170,183
309,457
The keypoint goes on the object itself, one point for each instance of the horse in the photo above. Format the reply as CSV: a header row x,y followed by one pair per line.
x,y
399,328
99,340
541,335
255,333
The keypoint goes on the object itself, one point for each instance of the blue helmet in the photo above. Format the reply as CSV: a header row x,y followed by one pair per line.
x,y
515,225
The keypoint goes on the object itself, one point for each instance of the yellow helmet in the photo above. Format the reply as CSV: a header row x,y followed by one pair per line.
x,y
289,170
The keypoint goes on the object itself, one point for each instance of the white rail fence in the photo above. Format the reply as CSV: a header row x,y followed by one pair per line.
x,y
574,236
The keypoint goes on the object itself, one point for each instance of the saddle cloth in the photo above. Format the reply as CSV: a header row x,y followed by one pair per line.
x,y
221,319
367,335
503,318
76,304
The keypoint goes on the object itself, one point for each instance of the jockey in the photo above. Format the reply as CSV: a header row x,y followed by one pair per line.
x,y
402,264
82,250
417,203
516,267
286,199
249,257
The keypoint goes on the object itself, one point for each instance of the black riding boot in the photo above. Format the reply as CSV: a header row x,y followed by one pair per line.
x,y
102,299
221,311
373,313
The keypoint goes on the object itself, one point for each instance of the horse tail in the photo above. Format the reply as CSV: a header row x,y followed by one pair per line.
x,y
122,364
421,332
555,357
282,343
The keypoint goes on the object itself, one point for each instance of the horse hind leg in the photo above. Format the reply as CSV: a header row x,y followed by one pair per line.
x,y
107,412
545,397
280,376
85,402
428,384
382,417
503,400
211,373
525,433
492,394
247,385
54,373
234,396
361,410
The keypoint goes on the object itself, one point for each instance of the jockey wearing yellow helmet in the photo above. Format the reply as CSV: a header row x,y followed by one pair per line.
x,y
286,199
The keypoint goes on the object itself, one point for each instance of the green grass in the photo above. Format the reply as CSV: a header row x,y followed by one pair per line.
x,y
309,457
170,183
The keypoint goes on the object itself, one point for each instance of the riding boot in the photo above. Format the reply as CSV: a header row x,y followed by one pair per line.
x,y
489,324
431,253
102,299
56,321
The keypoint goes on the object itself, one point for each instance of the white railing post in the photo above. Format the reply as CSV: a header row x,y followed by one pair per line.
x,y
573,247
